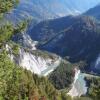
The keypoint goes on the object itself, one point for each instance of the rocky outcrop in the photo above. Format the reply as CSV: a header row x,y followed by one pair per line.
x,y
79,85
38,62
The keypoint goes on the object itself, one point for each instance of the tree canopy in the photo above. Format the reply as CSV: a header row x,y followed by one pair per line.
x,y
7,5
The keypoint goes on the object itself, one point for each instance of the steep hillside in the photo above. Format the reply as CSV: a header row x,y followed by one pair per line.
x,y
94,12
19,84
38,62
45,30
78,39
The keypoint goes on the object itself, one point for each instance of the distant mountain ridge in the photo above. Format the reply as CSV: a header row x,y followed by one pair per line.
x,y
48,9
94,12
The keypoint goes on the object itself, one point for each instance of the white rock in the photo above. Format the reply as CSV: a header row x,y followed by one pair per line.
x,y
37,64
79,85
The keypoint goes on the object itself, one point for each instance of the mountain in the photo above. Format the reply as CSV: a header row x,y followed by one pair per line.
x,y
45,30
94,12
27,73
75,37
43,9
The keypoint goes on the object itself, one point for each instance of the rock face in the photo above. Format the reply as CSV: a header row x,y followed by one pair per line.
x,y
79,85
24,40
95,65
38,62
